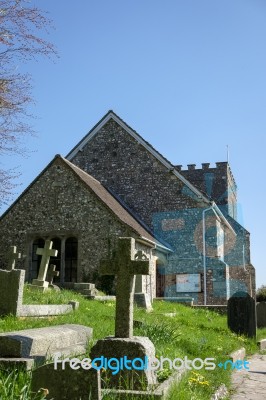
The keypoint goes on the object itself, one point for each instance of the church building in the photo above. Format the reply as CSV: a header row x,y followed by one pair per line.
x,y
114,184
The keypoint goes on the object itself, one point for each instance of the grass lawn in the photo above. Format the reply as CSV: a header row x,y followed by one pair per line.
x,y
194,333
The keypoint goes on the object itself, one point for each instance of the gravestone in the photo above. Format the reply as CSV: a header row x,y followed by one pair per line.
x,y
141,298
46,253
88,290
43,343
261,314
13,256
125,266
241,314
67,383
11,291
51,273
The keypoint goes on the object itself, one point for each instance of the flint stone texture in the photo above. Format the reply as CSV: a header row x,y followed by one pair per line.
x,y
261,314
37,216
42,343
67,383
11,289
135,347
241,314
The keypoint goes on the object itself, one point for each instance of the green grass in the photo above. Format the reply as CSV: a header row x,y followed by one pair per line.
x,y
15,385
191,332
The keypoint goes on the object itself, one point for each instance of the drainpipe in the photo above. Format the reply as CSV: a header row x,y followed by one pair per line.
x,y
204,248
244,261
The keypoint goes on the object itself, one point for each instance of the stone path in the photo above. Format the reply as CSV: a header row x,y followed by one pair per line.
x,y
251,384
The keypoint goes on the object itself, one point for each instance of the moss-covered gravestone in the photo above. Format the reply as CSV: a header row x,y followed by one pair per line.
x,y
131,375
241,314
261,314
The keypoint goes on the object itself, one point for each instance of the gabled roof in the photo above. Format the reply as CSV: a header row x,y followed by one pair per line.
x,y
105,197
112,203
111,115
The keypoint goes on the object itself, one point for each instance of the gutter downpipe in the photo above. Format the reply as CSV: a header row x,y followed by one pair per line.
x,y
204,248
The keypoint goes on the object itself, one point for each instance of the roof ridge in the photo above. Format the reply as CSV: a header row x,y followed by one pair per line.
x,y
147,145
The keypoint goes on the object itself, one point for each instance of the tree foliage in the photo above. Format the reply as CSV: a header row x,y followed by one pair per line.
x,y
261,293
21,27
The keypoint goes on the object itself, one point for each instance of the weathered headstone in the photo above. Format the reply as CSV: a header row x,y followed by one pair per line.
x,y
13,256
141,297
43,343
126,266
261,314
241,314
143,300
67,383
46,253
87,289
51,273
11,291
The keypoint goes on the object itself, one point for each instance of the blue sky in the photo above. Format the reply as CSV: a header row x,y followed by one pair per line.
x,y
189,76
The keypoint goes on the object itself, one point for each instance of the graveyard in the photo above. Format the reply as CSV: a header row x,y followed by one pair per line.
x,y
176,331
48,336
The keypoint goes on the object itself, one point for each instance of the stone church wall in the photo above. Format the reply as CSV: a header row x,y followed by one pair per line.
x,y
59,205
124,166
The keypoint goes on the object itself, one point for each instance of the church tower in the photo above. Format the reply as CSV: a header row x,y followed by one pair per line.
x,y
218,183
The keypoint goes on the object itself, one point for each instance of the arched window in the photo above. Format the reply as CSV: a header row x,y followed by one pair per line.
x,y
66,261
71,259
36,259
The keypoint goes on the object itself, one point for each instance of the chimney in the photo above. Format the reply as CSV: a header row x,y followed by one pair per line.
x,y
178,167
191,166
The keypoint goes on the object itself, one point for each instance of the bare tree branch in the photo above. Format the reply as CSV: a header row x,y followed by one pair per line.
x,y
20,27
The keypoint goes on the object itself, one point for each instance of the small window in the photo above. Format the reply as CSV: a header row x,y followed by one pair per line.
x,y
71,259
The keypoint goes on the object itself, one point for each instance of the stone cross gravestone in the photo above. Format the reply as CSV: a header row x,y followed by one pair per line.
x,y
125,265
241,314
46,253
13,256
51,273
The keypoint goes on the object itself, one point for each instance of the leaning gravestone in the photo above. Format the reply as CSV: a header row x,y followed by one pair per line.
x,y
261,314
13,256
125,266
51,273
241,314
46,253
